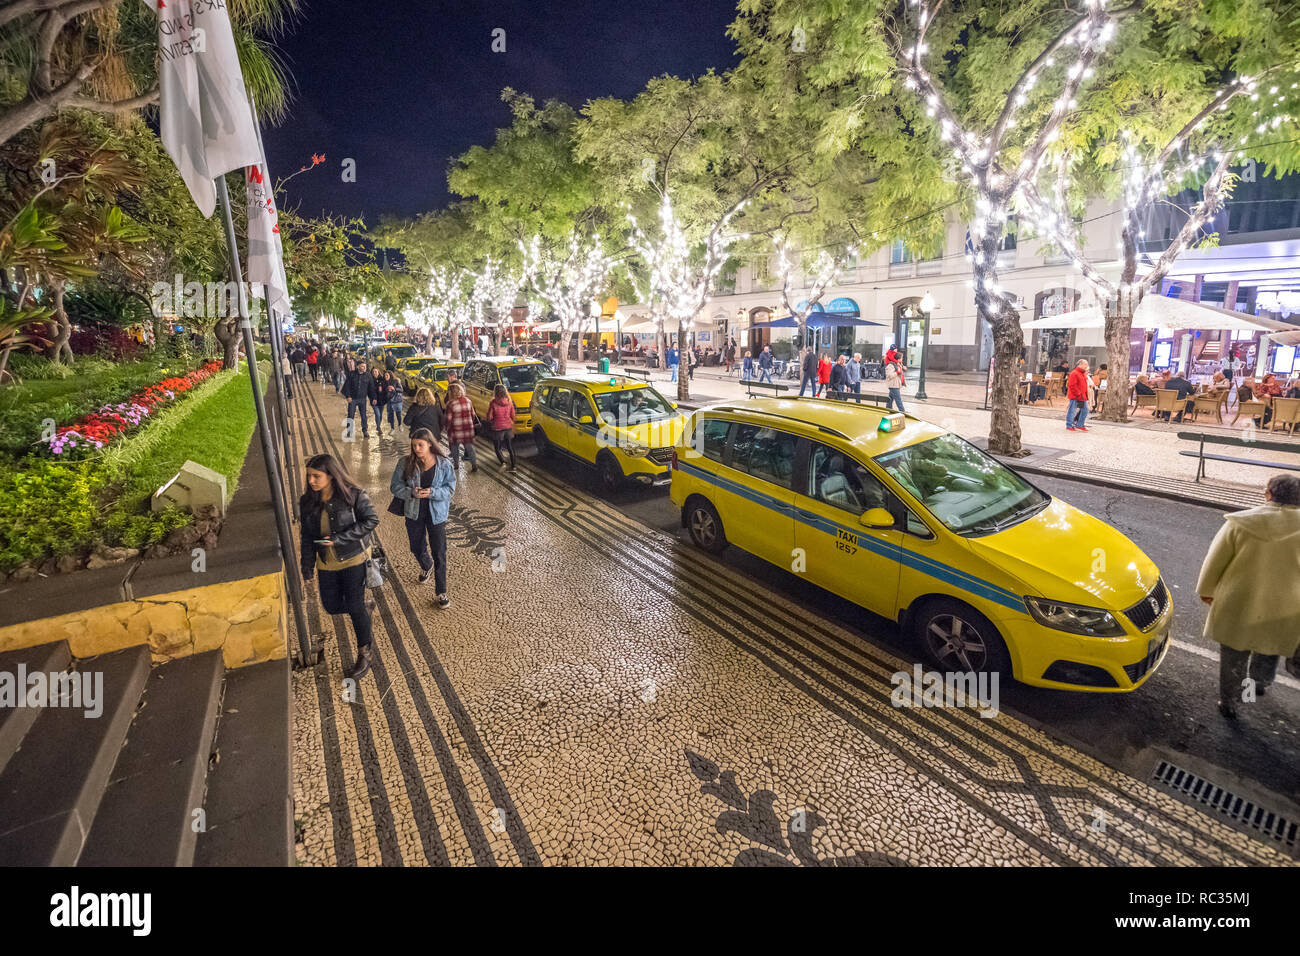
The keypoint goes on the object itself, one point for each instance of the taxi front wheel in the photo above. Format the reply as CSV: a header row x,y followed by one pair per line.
x,y
543,444
957,638
705,526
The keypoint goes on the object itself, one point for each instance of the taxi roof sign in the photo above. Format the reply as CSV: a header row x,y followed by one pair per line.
x,y
893,423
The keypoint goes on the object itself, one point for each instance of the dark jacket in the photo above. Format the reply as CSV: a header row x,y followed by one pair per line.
x,y
390,361
349,528
384,391
810,365
764,359
839,377
424,416
1181,386
359,387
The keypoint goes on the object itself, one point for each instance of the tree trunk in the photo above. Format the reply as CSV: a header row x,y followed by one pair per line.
x,y
1119,326
1008,342
454,336
60,350
227,333
563,357
6,376
683,367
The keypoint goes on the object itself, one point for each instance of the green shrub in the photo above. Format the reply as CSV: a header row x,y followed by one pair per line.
x,y
50,509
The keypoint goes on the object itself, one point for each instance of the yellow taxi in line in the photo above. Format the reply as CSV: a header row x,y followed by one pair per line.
x,y
409,368
394,350
914,523
435,375
519,375
620,425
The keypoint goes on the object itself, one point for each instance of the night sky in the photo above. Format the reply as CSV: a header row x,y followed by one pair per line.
x,y
404,87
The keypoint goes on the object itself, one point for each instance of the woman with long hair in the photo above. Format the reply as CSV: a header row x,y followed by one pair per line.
x,y
459,421
423,482
336,521
501,422
425,412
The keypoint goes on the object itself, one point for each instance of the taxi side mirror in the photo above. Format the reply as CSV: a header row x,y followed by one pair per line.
x,y
877,518
673,404
585,420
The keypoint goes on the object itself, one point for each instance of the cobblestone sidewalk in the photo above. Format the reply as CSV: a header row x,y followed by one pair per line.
x,y
601,693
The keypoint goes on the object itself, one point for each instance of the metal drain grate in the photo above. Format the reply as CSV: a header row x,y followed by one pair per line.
x,y
1231,805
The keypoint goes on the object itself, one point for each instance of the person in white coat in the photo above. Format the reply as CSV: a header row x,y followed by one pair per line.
x,y
1251,580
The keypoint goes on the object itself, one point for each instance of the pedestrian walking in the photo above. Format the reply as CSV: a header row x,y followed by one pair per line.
x,y
839,379
1076,390
336,520
359,390
853,369
894,385
747,368
461,423
692,360
1252,621
672,363
396,394
823,374
729,356
501,422
286,369
425,412
422,485
299,356
313,360
808,372
384,385
765,364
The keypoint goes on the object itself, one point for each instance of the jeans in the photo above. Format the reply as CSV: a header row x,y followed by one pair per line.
x,y
379,416
1078,409
315,371
344,592
394,414
338,381
805,381
674,375
765,375
857,391
300,369
895,397
353,407
423,534
288,386
1235,666
504,439
471,455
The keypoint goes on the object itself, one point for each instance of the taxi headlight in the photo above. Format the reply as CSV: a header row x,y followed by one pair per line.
x,y
1075,618
635,449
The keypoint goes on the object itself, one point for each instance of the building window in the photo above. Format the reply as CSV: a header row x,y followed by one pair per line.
x,y
899,254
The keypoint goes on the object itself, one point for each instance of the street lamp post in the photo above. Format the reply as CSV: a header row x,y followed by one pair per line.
x,y
927,306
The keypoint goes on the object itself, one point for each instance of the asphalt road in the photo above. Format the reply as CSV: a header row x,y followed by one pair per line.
x,y
1174,715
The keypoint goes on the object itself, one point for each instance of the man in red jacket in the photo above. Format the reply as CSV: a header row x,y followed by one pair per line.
x,y
1076,390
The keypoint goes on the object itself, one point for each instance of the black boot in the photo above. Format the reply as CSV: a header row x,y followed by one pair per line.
x,y
365,657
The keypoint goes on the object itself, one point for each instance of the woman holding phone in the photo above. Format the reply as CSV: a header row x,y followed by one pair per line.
x,y
336,521
422,485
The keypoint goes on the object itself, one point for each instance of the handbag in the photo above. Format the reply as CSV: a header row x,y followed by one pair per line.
x,y
376,565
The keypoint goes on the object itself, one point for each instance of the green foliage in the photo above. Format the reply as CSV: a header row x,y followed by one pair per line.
x,y
51,509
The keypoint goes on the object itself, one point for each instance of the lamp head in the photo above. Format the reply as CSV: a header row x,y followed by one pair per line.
x,y
927,302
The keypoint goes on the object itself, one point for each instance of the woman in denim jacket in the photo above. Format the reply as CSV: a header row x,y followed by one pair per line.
x,y
423,482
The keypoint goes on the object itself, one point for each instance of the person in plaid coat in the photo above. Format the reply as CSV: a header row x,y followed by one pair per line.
x,y
459,421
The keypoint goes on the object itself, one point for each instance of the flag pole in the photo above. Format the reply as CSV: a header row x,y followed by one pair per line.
x,y
292,579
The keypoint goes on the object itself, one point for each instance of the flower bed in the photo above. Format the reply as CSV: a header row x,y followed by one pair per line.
x,y
93,431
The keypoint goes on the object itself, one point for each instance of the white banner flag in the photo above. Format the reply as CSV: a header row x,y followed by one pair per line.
x,y
265,251
205,123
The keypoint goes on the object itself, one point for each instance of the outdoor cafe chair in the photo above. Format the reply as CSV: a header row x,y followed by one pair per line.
x,y
1286,412
1166,401
1209,402
1251,408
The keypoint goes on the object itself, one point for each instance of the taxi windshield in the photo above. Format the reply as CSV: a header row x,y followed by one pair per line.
x,y
440,374
401,351
523,378
963,487
633,406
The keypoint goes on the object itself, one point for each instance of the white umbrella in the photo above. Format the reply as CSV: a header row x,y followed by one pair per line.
x,y
1289,337
640,326
1163,312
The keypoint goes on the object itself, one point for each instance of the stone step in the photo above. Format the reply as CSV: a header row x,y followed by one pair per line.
x,y
51,788
249,801
147,815
15,721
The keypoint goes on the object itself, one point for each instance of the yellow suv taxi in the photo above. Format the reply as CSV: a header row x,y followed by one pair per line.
x,y
435,376
914,523
519,375
620,425
408,370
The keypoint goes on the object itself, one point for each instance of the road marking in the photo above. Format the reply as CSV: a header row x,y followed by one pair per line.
x,y
1285,680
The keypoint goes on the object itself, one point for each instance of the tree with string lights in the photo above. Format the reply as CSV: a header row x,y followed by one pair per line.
x,y
677,274
566,279
1205,142
821,270
496,287
447,304
997,166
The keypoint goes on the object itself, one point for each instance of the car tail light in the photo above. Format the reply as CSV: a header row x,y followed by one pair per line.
x,y
674,459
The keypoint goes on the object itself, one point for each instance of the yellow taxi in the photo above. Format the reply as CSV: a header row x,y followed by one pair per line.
x,y
435,376
519,375
394,350
618,424
914,523
408,368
